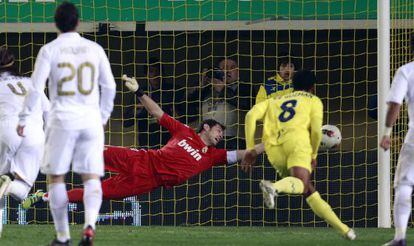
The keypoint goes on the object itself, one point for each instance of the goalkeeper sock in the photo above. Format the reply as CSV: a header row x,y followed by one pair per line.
x,y
74,196
58,200
402,210
1,214
18,189
290,185
324,211
92,200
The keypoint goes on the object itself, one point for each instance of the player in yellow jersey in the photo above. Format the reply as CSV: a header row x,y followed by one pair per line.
x,y
281,83
291,135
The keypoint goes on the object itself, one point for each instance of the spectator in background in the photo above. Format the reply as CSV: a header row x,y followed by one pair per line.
x,y
150,134
281,83
225,98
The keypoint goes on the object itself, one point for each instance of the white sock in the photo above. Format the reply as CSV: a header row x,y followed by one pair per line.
x,y
1,214
402,210
58,200
18,189
92,200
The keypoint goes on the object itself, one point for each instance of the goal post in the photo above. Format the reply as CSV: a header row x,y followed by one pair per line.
x,y
384,171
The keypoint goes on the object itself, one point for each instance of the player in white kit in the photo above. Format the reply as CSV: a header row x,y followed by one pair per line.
x,y
402,87
19,157
81,90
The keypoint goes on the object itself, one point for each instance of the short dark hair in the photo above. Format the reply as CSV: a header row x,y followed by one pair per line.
x,y
303,80
210,123
285,58
7,61
6,57
66,17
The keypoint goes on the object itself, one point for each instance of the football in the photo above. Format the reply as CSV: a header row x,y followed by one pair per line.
x,y
331,137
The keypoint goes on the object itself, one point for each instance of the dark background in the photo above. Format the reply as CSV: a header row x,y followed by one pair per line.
x,y
345,62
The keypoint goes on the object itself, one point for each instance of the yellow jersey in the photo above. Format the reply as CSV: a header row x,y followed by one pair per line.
x,y
273,87
295,115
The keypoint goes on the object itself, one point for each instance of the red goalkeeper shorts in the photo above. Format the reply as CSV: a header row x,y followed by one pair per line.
x,y
135,175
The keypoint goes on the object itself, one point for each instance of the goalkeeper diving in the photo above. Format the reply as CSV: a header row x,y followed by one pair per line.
x,y
292,135
140,171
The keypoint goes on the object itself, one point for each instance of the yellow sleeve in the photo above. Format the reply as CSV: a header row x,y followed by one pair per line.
x,y
316,125
256,113
261,95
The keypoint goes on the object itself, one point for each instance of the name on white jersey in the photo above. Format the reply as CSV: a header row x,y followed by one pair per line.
x,y
193,152
74,50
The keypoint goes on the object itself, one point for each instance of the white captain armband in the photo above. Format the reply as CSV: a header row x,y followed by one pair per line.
x,y
232,156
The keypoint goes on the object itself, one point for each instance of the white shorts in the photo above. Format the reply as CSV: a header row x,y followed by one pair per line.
x,y
26,162
83,148
404,175
9,143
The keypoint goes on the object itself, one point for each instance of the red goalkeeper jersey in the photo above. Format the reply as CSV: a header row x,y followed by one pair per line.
x,y
185,154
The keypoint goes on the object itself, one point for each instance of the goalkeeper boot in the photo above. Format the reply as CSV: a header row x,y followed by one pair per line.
x,y
87,237
56,242
350,235
394,242
269,193
4,184
32,199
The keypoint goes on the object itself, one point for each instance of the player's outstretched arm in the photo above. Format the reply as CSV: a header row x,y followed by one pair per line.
x,y
149,104
28,107
256,113
39,77
398,91
249,156
259,148
107,87
315,126
392,116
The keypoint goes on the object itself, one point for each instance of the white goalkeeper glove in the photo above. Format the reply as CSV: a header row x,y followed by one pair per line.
x,y
130,83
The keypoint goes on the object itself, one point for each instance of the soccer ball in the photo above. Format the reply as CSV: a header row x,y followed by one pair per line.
x,y
331,137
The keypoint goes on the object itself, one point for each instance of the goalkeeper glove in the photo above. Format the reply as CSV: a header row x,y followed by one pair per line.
x,y
132,85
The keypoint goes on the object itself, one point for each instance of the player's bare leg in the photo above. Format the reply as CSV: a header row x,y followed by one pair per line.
x,y
58,200
319,206
92,200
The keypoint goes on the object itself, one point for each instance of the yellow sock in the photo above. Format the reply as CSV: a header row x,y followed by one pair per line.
x,y
290,185
323,210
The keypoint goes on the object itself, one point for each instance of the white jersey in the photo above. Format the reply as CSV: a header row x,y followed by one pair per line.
x,y
76,67
13,90
402,87
21,156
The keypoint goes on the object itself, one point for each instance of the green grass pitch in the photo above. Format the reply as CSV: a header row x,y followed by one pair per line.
x,y
15,235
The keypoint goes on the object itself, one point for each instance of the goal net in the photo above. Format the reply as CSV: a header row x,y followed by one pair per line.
x,y
167,45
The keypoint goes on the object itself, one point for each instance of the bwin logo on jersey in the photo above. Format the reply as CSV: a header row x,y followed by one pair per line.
x,y
193,152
